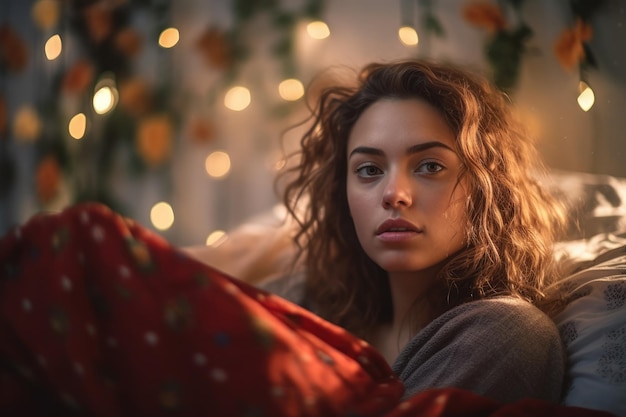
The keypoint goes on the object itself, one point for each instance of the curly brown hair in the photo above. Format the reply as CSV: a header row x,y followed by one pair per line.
x,y
511,221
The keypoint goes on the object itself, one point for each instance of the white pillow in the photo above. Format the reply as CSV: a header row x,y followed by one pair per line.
x,y
593,329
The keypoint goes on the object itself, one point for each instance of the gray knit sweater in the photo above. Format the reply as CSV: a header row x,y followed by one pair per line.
x,y
502,348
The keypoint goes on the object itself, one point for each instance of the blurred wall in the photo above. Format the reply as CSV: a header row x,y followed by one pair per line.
x,y
361,31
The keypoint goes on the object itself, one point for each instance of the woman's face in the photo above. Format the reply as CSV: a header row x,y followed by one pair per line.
x,y
407,208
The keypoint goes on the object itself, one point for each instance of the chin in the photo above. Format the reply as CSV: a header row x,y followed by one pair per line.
x,y
394,267
408,266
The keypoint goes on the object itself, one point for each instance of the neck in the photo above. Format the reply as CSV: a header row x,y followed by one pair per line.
x,y
409,293
411,312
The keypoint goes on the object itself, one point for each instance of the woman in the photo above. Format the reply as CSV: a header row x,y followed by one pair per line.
x,y
426,233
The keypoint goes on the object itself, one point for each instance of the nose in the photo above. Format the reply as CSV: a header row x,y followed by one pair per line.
x,y
397,192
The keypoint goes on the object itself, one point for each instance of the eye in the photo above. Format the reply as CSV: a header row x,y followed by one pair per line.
x,y
368,171
430,167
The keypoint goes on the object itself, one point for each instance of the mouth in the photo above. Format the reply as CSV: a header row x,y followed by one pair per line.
x,y
397,226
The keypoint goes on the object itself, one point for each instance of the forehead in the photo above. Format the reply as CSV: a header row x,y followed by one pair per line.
x,y
400,122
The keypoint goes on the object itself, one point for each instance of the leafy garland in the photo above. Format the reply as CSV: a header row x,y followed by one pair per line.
x,y
69,171
506,43
572,47
428,22
229,50
147,117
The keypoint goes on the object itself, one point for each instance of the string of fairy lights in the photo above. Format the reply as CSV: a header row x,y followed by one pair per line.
x,y
236,98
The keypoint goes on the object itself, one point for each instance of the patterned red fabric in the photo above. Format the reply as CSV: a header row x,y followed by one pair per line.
x,y
101,316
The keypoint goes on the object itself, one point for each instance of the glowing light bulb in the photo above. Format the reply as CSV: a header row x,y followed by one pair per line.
x,y
408,36
78,126
318,30
53,47
237,98
216,238
169,38
106,95
162,215
586,98
291,89
217,164
103,100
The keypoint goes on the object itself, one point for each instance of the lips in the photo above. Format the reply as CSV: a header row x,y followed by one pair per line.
x,y
397,226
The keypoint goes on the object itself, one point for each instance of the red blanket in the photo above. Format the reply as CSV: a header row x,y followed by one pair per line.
x,y
100,315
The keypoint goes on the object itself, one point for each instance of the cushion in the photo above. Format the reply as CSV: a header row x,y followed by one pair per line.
x,y
595,203
593,327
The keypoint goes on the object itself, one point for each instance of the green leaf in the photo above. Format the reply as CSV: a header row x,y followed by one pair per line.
x,y
585,8
504,54
433,25
517,4
590,59
283,47
313,9
523,32
243,9
283,20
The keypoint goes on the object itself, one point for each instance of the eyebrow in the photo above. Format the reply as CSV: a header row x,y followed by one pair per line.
x,y
411,150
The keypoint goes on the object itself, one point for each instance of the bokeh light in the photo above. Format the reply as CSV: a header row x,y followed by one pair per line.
x,y
53,47
216,238
237,98
318,30
586,98
217,164
104,100
78,126
162,215
291,89
169,38
408,36
106,95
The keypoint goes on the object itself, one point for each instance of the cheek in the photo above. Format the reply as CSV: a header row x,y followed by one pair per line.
x,y
353,205
456,214
358,206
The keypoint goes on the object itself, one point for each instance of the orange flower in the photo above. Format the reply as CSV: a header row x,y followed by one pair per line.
x,y
45,14
27,124
135,96
128,42
201,130
569,48
79,76
13,52
48,179
154,139
99,20
214,48
485,15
